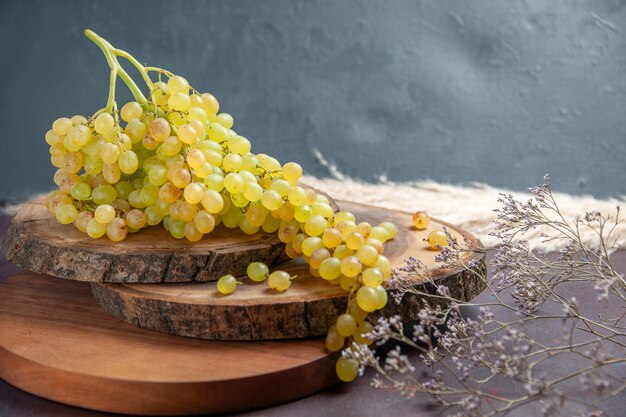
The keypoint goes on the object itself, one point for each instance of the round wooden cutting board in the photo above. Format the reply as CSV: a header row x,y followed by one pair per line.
x,y
55,342
308,308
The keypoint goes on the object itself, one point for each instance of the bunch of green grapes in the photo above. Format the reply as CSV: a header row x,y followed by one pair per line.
x,y
172,158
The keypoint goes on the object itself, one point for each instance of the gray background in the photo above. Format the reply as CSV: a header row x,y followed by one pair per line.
x,y
456,91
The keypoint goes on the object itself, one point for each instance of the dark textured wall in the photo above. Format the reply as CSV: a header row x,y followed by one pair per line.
x,y
456,91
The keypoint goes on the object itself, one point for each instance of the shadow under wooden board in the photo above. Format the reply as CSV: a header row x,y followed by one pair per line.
x,y
308,308
55,342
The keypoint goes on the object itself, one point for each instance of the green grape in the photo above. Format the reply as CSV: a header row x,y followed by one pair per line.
x,y
194,192
124,142
135,199
233,182
159,93
239,145
367,254
372,277
351,266
136,219
256,215
287,231
331,238
246,227
93,165
437,239
271,200
311,244
322,209
149,195
179,102
297,196
303,213
177,228
217,133
197,114
367,299
187,134
231,218
382,297
344,215
225,120
315,225
195,158
391,228
135,129
346,325
317,257
361,333
227,284
379,233
111,173
355,311
104,213
66,213
204,221
117,230
282,187
72,162
271,224
212,201
203,171
384,264
131,110
121,205
170,146
65,180
347,369
257,271
103,194
210,104
292,172
216,182
376,244
348,283
95,229
279,280
82,219
81,191
179,176
153,216
232,162
213,157
78,120
239,200
252,191
192,233
56,199
160,129
110,153
334,341
345,227
297,242
249,163
62,126
355,240
157,175
169,192
177,84
52,138
149,142
248,176
286,211
182,210
330,268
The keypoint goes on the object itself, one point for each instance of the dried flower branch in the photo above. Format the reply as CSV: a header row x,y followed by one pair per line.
x,y
493,356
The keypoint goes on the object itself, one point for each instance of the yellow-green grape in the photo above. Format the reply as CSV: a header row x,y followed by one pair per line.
x,y
291,253
437,239
379,233
342,252
318,257
248,176
376,244
182,210
246,227
177,228
121,205
171,146
302,213
271,224
384,264
159,93
334,341
217,132
104,213
271,200
136,219
104,123
233,182
128,162
256,215
93,165
421,220
392,229
56,199
367,254
282,187
372,277
203,171
210,104
62,126
131,110
149,143
180,177
344,215
204,221
367,298
355,240
231,218
177,84
311,244
297,196
364,228
351,266
287,231
66,213
279,280
109,153
232,162
111,173
82,218
227,284
286,211
345,227
153,216
213,157
382,297
357,312
174,160
225,120
81,191
124,142
195,158
292,172
347,369
78,137
322,209
330,268
297,242
239,145
320,198
168,192
160,129
65,180
187,133
135,200
193,193
78,120
252,191
249,162
157,175
95,229
347,283
135,129
179,102
72,162
103,194
216,182
257,271
192,234
58,150
346,325
360,335
315,225
197,114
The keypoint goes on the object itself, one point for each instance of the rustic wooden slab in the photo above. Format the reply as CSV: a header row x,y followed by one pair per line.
x,y
308,308
55,342
36,242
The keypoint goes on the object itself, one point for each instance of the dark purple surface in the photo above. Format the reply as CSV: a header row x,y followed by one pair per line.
x,y
349,400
